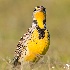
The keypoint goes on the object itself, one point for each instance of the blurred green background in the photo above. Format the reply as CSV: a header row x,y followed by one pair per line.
x,y
16,18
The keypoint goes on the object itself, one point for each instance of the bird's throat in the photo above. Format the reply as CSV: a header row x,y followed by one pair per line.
x,y
40,16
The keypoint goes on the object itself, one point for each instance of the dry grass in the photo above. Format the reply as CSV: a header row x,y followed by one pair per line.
x,y
46,63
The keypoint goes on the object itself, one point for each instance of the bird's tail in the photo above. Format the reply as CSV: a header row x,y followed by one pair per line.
x,y
15,62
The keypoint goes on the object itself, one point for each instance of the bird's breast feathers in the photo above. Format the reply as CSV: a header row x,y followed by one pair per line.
x,y
37,44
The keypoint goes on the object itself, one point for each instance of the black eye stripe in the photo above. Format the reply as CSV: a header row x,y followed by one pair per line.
x,y
43,9
39,7
34,9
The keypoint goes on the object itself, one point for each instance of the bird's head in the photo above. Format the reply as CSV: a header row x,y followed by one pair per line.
x,y
39,14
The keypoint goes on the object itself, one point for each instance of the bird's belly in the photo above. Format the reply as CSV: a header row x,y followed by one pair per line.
x,y
36,46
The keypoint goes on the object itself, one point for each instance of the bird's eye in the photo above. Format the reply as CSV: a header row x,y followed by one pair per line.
x,y
34,9
38,6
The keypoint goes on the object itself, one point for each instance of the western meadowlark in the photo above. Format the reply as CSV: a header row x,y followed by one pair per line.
x,y
35,42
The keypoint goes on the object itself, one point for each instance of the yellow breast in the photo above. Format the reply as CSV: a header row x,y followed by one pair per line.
x,y
37,46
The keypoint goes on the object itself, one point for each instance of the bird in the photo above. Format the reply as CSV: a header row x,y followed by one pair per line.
x,y
34,44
